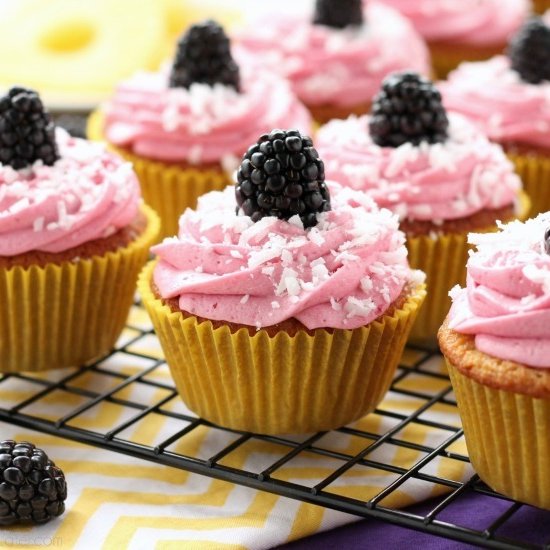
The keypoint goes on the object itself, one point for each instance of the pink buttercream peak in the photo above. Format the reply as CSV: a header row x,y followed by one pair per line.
x,y
342,67
87,194
442,181
468,22
342,273
202,124
503,106
506,303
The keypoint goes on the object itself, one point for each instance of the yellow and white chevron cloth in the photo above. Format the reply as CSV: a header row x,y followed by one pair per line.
x,y
117,502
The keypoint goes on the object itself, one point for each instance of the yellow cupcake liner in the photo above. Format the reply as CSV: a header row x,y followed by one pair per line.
x,y
507,438
443,259
64,315
540,6
534,170
168,188
280,384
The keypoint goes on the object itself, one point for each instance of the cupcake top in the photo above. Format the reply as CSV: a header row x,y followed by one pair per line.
x,y
244,256
443,169
204,109
506,303
508,97
329,63
467,22
56,192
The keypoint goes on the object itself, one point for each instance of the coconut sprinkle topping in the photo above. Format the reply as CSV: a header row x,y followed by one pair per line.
x,y
343,273
87,194
455,179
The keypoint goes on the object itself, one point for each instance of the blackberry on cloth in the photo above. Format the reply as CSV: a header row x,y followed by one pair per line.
x,y
32,487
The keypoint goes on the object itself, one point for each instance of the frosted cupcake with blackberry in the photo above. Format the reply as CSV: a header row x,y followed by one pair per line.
x,y
463,30
284,286
73,237
508,97
434,169
185,128
496,340
337,56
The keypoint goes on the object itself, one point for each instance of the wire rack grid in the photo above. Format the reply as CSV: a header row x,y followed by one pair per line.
x,y
421,383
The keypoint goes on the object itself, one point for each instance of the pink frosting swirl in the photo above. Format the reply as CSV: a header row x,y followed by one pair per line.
x,y
202,124
342,67
434,182
88,194
493,96
469,22
506,303
343,273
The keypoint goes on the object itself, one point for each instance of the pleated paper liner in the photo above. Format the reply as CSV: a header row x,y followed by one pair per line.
x,y
507,438
534,170
443,259
67,314
540,6
280,384
168,188
447,57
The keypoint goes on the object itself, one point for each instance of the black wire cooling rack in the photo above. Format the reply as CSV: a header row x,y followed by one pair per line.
x,y
115,386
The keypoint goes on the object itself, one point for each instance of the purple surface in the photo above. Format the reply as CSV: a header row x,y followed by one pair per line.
x,y
475,511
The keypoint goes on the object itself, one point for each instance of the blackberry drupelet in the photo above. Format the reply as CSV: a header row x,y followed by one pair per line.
x,y
282,176
27,133
407,109
338,13
32,488
204,55
529,51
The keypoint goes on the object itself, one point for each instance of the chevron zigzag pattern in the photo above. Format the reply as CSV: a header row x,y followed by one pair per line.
x,y
118,501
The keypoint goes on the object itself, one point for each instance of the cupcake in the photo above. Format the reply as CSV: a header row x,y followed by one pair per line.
x,y
185,129
463,30
437,171
336,57
282,308
73,238
496,341
509,98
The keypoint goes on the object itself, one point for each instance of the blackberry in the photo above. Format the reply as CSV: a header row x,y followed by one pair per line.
x,y
27,133
529,51
282,176
204,55
32,488
547,241
407,109
338,13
